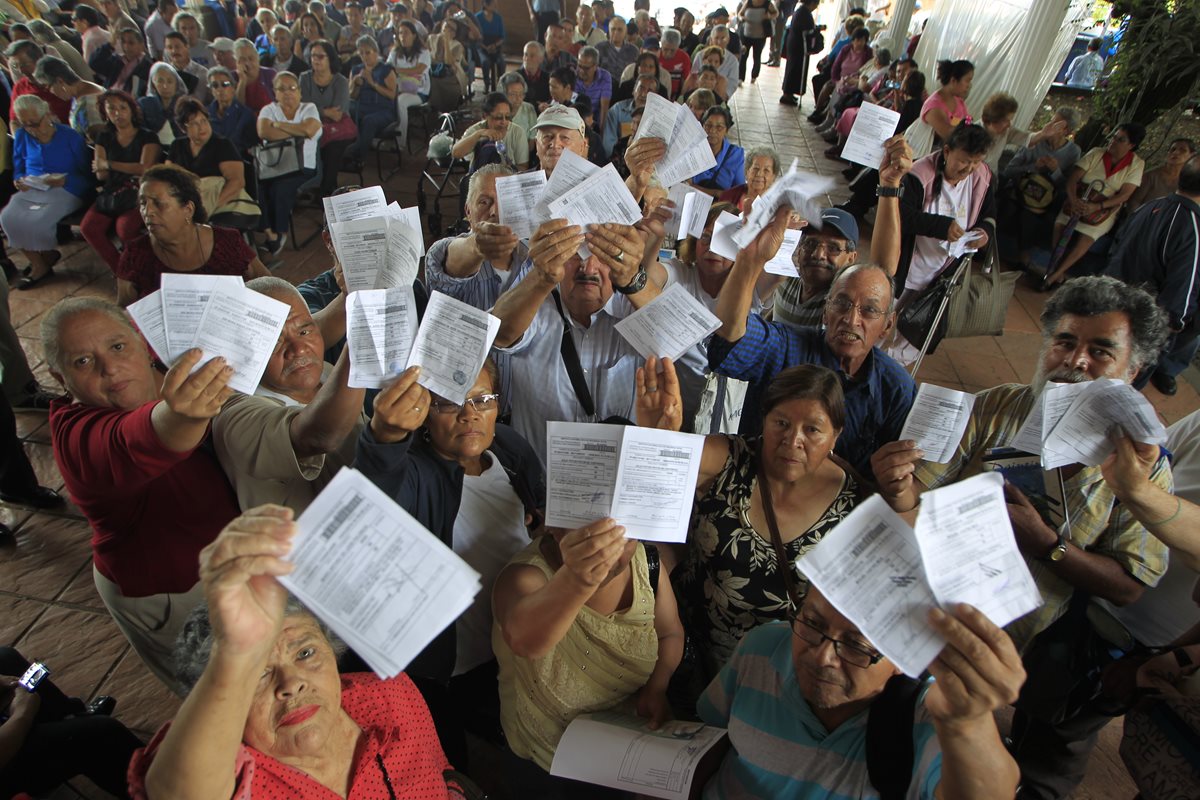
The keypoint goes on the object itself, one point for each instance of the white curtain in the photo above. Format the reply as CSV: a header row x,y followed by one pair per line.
x,y
1016,46
896,36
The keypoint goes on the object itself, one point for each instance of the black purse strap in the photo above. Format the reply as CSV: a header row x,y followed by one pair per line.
x,y
570,357
785,568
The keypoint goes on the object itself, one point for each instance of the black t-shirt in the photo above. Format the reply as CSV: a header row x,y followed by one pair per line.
x,y
125,154
208,163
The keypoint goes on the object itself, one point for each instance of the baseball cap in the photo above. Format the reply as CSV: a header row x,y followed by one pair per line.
x,y
559,116
843,222
222,43
650,43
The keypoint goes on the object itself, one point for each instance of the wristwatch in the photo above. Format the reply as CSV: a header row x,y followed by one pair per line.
x,y
636,285
1059,551
889,191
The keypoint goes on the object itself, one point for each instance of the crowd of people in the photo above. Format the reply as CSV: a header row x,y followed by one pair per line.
x,y
136,122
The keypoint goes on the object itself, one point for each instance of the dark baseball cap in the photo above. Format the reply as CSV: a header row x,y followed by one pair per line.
x,y
843,222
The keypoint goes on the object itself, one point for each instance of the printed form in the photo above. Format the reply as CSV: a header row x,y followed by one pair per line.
x,y
451,345
873,126
243,326
184,298
937,421
669,325
380,325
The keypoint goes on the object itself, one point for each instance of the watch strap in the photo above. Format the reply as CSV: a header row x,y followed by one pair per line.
x,y
636,285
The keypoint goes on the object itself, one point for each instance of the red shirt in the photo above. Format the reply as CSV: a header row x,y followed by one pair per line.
x,y
151,509
680,66
230,256
396,725
58,107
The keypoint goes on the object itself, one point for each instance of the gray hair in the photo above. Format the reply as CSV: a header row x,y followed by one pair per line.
x,y
184,16
511,78
1070,116
1102,294
273,286
537,46
30,102
368,41
42,31
763,151
499,170
245,44
845,273
51,68
283,73
26,46
194,645
161,66
64,310
281,28
671,36
316,5
218,70
589,52
720,29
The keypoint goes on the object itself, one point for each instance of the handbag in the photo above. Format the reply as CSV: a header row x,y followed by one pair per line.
x,y
115,200
342,130
1093,193
976,304
721,401
279,158
1036,192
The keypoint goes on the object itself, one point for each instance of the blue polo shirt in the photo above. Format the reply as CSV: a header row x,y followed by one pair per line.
x,y
877,400
730,170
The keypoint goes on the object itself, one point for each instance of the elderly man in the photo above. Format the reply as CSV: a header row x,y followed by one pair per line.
x,y
200,49
255,84
285,58
537,80
619,123
159,25
674,61
193,73
714,23
221,55
858,315
595,82
558,129
282,444
729,65
618,52
228,117
22,61
46,36
557,54
793,698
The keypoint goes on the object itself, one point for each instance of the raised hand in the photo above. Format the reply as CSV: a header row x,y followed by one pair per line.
x,y
495,242
1128,469
642,155
400,408
893,466
767,243
239,570
897,161
659,401
589,553
619,247
197,395
977,672
551,246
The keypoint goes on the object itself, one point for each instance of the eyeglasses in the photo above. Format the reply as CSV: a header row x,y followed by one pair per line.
x,y
501,118
480,402
842,306
853,654
220,84
32,125
832,248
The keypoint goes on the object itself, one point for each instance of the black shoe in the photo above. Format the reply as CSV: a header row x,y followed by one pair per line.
x,y
1164,383
35,398
6,534
40,497
102,706
816,116
788,100
276,247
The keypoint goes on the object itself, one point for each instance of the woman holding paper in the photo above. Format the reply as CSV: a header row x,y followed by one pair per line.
x,y
729,171
479,486
267,715
762,170
177,238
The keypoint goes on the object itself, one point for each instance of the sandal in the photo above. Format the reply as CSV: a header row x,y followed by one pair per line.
x,y
29,281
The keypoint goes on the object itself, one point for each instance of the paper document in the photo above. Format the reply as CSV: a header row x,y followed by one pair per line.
x,y
783,263
451,345
658,119
964,244
377,252
571,170
601,197
1048,409
690,211
381,581
875,569
517,196
724,228
184,297
688,153
380,326
147,314
410,217
619,751
42,182
359,204
643,478
796,190
1083,435
669,325
873,126
243,327
937,420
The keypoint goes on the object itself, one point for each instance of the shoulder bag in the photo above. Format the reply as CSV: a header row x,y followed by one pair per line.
x,y
279,158
960,302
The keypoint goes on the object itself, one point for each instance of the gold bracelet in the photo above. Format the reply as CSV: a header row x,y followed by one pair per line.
x,y
1178,509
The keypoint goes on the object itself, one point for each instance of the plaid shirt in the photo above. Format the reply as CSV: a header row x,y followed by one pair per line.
x,y
1099,524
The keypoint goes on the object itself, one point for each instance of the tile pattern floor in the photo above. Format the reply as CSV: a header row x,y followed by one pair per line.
x,y
48,605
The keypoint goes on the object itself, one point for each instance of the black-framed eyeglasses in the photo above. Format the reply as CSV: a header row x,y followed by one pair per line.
x,y
810,245
842,306
480,402
856,655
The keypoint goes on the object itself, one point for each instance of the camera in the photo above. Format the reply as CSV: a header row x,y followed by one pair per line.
x,y
33,676
892,85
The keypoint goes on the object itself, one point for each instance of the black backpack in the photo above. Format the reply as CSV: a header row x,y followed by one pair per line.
x,y
890,754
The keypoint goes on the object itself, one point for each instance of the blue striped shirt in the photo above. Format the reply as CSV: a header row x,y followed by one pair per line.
x,y
779,747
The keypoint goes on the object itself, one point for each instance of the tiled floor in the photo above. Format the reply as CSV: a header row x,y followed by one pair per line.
x,y
50,610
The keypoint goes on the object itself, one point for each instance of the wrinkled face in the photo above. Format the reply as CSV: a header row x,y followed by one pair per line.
x,y
118,112
668,49
282,41
222,89
617,31
643,89
104,363
552,142
856,314
586,69
295,364
226,59
797,437
464,432
1179,154
720,39
820,255
1086,348
1119,145
369,56
247,59
499,119
531,59
161,212
198,130
560,92
708,262
298,698
760,174
482,206
586,285
715,129
287,92
825,680
164,84
960,163
177,52
40,126
515,92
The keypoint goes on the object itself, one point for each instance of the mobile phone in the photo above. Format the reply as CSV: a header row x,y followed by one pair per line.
x,y
33,676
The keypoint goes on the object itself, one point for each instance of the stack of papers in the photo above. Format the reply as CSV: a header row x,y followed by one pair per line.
x,y
450,346
516,198
643,478
379,244
722,243
796,190
218,314
1073,423
42,182
781,263
669,325
885,577
688,153
937,420
384,584
690,211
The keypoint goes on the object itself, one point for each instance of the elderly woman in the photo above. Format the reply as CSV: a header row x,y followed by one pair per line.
x,y
158,106
177,238
326,88
127,441
700,101
124,151
84,96
515,89
729,170
286,118
478,485
1097,186
997,117
495,129
411,60
267,714
710,58
213,159
585,621
762,169
230,119
199,48
52,173
447,52
372,95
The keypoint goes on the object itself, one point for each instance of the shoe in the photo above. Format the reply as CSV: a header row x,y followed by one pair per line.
x,y
276,247
774,62
1164,383
35,398
849,172
788,100
816,117
102,706
830,136
28,282
40,497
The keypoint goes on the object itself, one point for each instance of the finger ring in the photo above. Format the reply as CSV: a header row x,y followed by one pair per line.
x,y
620,256
416,408
651,388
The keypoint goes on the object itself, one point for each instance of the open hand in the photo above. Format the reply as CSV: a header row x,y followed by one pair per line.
x,y
642,155
1128,469
659,402
619,247
893,466
400,408
551,246
197,395
495,243
767,243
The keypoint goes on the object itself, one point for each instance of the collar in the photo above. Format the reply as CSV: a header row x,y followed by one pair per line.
x,y
263,391
1110,168
868,373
